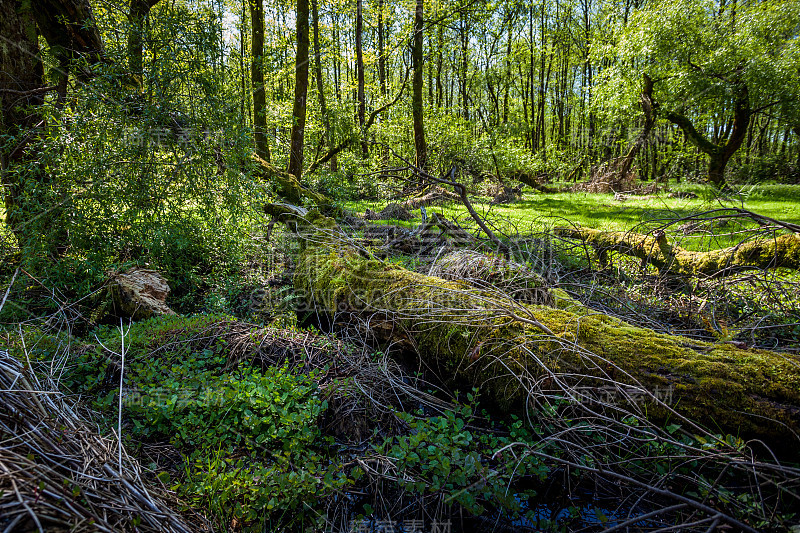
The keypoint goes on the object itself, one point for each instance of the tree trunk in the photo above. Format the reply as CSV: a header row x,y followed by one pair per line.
x,y
777,252
300,92
797,133
381,51
68,27
138,11
508,74
719,154
416,105
541,133
532,83
323,107
439,65
21,94
464,67
646,101
257,77
362,104
514,351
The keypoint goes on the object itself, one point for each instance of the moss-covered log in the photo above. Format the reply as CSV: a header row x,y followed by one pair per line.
x,y
476,337
781,251
289,187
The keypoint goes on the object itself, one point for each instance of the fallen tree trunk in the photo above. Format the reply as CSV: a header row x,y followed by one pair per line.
x,y
531,181
781,251
514,351
437,194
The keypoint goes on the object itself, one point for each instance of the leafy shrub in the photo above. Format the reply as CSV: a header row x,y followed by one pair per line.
x,y
260,493
273,408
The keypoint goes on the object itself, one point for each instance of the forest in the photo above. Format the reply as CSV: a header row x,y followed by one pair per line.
x,y
400,266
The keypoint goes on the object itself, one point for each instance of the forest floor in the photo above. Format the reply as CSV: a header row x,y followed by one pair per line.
x,y
275,417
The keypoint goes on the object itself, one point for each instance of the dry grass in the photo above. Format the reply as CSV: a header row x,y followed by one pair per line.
x,y
58,474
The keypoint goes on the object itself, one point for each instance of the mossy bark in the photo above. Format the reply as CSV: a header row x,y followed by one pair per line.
x,y
289,187
781,251
475,337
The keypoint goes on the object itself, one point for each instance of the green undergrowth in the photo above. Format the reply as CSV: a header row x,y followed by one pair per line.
x,y
474,467
253,452
255,456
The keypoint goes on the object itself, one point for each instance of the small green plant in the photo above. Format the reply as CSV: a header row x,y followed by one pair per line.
x,y
252,408
256,492
464,465
251,441
252,447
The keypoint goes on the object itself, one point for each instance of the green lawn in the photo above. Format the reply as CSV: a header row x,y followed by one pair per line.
x,y
537,211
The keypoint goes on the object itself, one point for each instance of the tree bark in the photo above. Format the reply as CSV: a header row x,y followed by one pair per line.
x,y
138,11
21,74
381,51
474,337
300,92
68,27
775,252
362,104
416,104
257,78
323,106
464,67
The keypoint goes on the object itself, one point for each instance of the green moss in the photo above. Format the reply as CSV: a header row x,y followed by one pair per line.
x,y
290,188
464,333
781,251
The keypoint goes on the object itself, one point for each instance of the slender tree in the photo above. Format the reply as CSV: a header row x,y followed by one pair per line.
x,y
381,51
323,106
416,85
464,70
21,93
257,76
137,12
300,92
362,104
